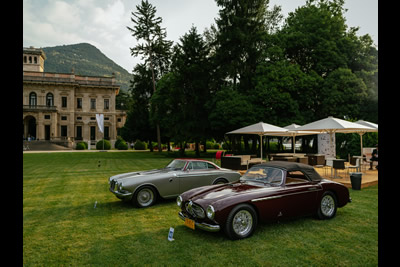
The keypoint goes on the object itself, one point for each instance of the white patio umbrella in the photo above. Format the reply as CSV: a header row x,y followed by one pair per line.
x,y
373,126
333,125
293,132
261,129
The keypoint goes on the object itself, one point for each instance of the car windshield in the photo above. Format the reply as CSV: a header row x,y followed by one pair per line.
x,y
262,174
176,164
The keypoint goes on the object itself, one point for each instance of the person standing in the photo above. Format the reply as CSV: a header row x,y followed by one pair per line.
x,y
374,158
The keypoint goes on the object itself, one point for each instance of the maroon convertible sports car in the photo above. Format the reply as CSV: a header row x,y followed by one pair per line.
x,y
266,192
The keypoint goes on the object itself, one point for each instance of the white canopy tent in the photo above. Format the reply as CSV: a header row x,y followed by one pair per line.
x,y
260,129
333,125
293,132
373,128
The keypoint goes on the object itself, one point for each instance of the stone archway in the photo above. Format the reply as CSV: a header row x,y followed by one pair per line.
x,y
30,127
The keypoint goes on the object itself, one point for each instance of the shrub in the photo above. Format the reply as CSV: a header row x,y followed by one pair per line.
x,y
216,146
81,146
122,145
119,140
107,145
139,145
209,144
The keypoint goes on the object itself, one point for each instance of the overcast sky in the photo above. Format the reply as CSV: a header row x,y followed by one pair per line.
x,y
102,23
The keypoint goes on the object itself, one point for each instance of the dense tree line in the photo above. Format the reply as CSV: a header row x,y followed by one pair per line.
x,y
251,66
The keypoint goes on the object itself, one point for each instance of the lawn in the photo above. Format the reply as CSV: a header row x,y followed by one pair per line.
x,y
63,226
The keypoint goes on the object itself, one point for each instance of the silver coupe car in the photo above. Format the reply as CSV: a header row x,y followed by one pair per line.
x,y
144,187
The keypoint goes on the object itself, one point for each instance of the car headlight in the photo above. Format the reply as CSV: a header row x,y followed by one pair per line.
x,y
179,201
120,187
210,212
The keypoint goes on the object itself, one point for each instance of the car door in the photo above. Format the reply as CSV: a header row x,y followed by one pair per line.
x,y
299,197
195,175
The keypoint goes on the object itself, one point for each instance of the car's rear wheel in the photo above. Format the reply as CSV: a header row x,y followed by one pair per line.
x,y
145,197
327,206
241,222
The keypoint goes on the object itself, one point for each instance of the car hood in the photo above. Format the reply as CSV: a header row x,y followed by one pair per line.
x,y
232,193
140,174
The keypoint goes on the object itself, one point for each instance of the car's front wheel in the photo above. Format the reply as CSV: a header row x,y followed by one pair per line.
x,y
145,197
241,222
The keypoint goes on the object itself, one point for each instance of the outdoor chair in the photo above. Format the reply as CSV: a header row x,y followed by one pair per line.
x,y
338,165
329,164
356,167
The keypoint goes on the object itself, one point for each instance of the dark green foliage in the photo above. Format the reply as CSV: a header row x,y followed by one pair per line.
x,y
122,145
139,145
81,146
107,145
250,67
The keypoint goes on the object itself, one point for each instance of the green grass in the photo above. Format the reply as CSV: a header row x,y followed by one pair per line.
x,y
62,227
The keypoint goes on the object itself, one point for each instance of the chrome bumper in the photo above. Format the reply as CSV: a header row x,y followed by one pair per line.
x,y
121,195
202,226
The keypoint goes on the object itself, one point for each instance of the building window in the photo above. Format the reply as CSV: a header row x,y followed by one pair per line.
x,y
25,59
49,100
32,99
63,118
30,59
78,133
78,118
35,60
92,132
64,101
93,103
47,117
79,103
106,103
64,131
106,133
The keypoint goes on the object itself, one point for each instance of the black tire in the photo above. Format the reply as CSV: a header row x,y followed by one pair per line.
x,y
241,222
220,181
327,206
144,197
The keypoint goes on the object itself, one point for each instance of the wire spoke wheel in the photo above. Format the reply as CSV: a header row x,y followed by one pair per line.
x,y
242,223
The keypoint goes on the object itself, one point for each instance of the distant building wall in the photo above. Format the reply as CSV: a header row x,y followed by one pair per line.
x,y
63,106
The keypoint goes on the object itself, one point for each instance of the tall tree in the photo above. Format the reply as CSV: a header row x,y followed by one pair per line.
x,y
137,125
241,37
186,89
153,48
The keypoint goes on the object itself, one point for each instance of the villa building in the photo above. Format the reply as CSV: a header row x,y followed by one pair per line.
x,y
62,107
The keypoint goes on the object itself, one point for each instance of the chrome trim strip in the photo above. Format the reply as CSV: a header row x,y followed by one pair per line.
x,y
290,194
265,198
202,226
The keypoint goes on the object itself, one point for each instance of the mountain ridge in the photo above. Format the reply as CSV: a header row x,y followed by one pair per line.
x,y
85,59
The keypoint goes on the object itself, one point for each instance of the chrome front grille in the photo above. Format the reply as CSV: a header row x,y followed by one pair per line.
x,y
195,210
113,186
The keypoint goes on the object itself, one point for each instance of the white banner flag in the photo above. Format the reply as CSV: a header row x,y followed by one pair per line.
x,y
100,122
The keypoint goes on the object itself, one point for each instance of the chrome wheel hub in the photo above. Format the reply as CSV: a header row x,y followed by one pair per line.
x,y
242,223
145,197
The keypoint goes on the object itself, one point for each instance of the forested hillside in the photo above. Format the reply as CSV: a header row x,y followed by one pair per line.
x,y
86,59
